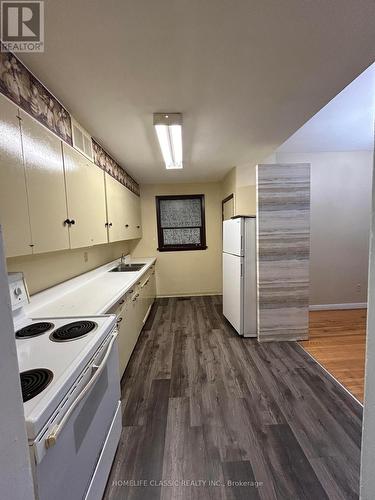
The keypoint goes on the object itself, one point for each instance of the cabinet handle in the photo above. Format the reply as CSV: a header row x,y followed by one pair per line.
x,y
108,224
135,297
119,320
121,301
138,227
145,283
126,225
131,291
66,222
72,222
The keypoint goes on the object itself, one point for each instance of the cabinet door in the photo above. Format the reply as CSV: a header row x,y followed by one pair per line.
x,y
143,299
14,213
85,194
45,186
133,216
127,333
136,222
152,285
116,209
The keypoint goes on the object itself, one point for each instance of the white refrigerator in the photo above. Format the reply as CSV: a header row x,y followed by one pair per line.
x,y
239,274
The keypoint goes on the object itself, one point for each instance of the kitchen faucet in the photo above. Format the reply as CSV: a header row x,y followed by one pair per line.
x,y
123,257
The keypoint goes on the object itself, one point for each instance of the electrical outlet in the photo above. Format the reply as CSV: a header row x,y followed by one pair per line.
x,y
358,287
85,256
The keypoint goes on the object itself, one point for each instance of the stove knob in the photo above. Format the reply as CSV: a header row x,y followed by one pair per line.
x,y
17,291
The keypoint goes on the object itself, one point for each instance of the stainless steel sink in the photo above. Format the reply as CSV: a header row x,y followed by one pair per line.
x,y
127,268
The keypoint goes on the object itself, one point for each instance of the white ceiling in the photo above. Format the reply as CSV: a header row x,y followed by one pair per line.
x,y
345,124
246,74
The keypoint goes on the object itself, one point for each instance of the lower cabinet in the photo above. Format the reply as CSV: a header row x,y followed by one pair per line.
x,y
147,294
131,313
127,333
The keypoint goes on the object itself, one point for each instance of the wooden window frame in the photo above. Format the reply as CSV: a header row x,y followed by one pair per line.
x,y
178,248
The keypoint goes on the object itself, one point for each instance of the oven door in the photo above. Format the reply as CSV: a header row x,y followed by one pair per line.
x,y
74,443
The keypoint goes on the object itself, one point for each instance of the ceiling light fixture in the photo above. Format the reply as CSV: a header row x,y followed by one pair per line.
x,y
168,128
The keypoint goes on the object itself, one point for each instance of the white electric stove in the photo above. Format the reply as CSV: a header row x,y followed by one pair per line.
x,y
71,391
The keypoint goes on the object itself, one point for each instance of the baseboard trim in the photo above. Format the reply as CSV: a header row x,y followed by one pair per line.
x,y
332,307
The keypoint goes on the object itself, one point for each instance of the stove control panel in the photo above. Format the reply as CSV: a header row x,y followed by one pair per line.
x,y
18,292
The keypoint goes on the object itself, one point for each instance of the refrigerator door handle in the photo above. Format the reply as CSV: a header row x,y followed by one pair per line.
x,y
241,270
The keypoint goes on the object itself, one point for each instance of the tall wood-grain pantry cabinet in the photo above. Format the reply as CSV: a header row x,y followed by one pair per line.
x,y
51,196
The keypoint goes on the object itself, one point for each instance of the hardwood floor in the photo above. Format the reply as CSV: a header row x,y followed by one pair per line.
x,y
338,342
209,415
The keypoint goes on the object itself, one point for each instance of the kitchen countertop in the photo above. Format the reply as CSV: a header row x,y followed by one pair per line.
x,y
88,294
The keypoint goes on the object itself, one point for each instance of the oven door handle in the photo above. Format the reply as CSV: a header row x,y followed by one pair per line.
x,y
97,370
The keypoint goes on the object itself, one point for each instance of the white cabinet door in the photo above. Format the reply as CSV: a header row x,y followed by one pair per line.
x,y
232,236
116,209
233,290
153,285
45,186
133,216
85,194
136,215
14,212
126,335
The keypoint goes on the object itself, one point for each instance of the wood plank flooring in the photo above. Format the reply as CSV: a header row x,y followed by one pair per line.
x,y
337,340
209,415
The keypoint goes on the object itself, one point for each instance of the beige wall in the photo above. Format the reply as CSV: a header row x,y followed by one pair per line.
x,y
228,184
196,272
45,270
245,200
340,224
241,182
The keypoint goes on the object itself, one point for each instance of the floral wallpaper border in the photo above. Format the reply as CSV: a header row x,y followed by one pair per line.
x,y
20,86
105,161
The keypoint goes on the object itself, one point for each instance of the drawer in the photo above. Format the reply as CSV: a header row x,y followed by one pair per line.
x,y
121,301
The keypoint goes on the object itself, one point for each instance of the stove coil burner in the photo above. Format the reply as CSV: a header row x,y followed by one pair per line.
x,y
73,331
34,330
33,382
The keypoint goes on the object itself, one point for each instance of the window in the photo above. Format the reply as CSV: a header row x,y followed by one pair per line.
x,y
181,222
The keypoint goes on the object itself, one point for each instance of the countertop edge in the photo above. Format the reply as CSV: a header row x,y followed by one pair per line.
x,y
58,292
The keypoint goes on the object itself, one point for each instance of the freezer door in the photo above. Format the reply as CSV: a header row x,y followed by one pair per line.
x,y
233,290
232,236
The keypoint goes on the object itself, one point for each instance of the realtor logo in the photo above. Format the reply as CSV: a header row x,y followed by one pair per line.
x,y
22,26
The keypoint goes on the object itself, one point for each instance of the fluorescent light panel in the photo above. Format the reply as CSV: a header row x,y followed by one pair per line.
x,y
168,128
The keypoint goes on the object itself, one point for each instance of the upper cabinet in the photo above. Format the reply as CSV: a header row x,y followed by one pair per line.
x,y
14,214
134,216
123,211
85,195
45,186
54,198
116,209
